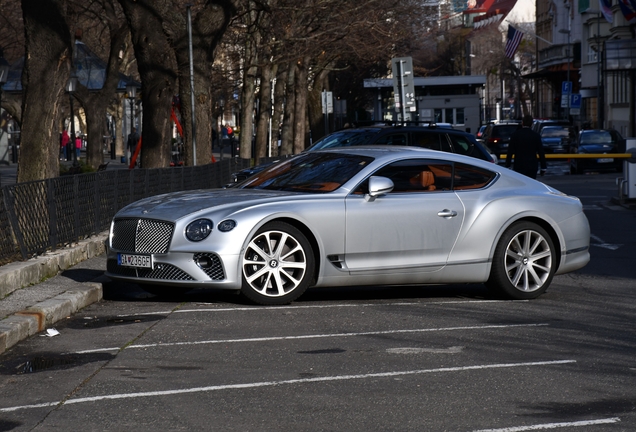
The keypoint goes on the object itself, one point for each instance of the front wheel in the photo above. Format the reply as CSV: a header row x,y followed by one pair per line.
x,y
524,262
277,265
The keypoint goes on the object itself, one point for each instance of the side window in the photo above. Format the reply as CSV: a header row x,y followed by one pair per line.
x,y
470,177
461,144
398,139
415,175
431,140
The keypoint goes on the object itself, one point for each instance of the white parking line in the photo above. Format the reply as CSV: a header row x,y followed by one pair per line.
x,y
554,425
277,308
315,336
284,382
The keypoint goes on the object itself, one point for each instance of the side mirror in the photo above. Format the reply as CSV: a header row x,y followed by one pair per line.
x,y
379,186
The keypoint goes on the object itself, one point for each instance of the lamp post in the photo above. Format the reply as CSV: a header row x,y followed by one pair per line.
x,y
71,87
131,90
220,131
568,32
4,75
599,76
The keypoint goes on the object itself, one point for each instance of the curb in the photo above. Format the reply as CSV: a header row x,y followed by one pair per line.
x,y
35,319
17,275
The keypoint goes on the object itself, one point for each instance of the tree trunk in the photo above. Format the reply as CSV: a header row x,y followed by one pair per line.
x,y
314,105
46,70
157,68
265,111
287,136
277,118
300,115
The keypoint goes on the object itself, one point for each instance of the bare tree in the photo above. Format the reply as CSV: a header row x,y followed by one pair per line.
x,y
47,66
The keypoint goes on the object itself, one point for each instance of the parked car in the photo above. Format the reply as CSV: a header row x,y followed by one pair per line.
x,y
433,136
480,133
597,141
497,136
369,215
555,139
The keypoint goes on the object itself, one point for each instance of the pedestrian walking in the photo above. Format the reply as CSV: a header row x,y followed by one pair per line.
x,y
133,139
78,146
64,139
526,144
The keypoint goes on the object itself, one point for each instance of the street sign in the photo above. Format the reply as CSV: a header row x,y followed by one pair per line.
x,y
403,86
566,87
575,104
566,91
327,102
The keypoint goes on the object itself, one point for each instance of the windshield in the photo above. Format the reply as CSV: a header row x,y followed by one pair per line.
x,y
596,137
345,139
554,132
309,172
504,131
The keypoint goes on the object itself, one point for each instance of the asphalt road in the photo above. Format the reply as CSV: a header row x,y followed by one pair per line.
x,y
449,358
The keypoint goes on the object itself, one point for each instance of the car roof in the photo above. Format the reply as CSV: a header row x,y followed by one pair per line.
x,y
389,151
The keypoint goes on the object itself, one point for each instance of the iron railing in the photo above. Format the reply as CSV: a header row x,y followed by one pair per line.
x,y
39,216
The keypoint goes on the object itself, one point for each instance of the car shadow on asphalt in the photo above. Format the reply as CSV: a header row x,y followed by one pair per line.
x,y
120,291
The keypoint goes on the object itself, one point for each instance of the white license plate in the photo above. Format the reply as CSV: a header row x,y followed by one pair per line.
x,y
127,260
605,160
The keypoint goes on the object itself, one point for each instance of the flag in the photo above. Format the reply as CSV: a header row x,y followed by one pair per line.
x,y
606,8
628,9
513,41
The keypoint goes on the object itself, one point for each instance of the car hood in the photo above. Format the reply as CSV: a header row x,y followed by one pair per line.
x,y
174,206
597,148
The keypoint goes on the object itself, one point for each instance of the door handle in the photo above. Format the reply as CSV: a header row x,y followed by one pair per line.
x,y
446,213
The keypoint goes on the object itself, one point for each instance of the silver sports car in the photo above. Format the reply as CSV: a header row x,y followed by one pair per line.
x,y
354,216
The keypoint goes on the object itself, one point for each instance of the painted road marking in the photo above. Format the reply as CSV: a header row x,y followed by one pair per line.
x,y
283,382
315,336
554,425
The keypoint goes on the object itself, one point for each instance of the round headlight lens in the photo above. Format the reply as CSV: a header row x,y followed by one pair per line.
x,y
227,225
199,230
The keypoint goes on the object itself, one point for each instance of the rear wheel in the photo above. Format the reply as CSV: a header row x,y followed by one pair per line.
x,y
277,265
524,262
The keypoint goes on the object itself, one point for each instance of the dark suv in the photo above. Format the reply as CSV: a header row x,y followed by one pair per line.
x,y
432,137
497,136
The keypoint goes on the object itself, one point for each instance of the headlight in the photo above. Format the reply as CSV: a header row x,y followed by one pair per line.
x,y
199,230
227,225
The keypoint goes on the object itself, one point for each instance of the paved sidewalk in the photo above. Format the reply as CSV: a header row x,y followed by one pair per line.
x,y
37,293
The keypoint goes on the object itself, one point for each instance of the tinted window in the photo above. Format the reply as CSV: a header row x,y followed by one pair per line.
x,y
470,177
345,139
504,131
415,175
431,140
309,172
396,139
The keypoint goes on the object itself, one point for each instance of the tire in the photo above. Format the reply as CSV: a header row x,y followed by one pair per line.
x,y
524,262
277,265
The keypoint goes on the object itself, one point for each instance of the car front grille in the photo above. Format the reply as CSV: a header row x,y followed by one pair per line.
x,y
215,270
161,271
142,235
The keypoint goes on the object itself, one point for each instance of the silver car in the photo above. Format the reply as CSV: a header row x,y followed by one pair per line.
x,y
354,216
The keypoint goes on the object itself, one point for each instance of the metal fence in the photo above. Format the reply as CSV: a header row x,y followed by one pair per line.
x,y
40,216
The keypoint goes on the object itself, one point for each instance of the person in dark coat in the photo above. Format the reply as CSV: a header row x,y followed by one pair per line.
x,y
526,144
